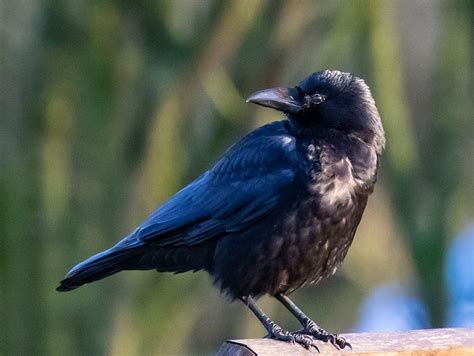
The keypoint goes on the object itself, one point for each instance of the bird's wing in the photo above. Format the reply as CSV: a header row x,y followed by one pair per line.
x,y
241,188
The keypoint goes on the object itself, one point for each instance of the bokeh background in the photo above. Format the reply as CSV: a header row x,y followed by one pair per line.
x,y
109,107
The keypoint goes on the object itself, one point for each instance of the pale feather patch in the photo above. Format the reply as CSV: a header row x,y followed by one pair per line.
x,y
342,187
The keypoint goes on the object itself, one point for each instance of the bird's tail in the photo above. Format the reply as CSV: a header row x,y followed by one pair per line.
x,y
97,267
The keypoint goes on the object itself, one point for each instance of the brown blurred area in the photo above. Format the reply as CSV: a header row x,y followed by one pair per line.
x,y
109,107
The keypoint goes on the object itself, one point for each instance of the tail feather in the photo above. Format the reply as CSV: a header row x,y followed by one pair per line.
x,y
97,267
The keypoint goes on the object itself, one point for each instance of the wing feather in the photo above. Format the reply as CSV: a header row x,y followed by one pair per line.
x,y
240,189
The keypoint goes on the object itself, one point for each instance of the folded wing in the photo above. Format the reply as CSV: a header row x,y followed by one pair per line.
x,y
239,190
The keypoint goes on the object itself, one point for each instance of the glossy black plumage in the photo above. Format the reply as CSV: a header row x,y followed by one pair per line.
x,y
278,210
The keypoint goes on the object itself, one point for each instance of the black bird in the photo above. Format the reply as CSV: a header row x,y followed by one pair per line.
x,y
278,210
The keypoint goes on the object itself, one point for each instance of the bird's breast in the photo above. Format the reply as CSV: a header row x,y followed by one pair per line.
x,y
317,237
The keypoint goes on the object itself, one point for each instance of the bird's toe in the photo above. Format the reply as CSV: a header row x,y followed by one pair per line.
x,y
339,342
305,340
320,334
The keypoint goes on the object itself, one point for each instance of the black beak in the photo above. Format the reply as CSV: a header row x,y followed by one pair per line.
x,y
283,99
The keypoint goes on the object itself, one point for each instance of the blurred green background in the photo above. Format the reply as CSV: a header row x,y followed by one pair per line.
x,y
109,107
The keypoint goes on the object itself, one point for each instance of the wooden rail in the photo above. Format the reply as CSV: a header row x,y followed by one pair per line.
x,y
434,342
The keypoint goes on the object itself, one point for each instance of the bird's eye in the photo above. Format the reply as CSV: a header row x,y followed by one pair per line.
x,y
318,98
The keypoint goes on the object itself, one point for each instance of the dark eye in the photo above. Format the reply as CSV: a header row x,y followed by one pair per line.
x,y
318,98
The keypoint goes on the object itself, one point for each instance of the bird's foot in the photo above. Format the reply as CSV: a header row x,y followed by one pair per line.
x,y
303,339
318,333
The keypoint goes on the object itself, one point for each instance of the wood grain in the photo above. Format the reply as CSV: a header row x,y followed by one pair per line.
x,y
436,342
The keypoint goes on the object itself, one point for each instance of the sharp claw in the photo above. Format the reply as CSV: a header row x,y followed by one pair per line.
x,y
337,346
305,342
341,342
307,336
337,341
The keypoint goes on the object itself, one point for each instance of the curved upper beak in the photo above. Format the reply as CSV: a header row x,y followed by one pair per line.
x,y
283,99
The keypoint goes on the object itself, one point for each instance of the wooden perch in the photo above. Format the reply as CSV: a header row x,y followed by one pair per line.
x,y
435,342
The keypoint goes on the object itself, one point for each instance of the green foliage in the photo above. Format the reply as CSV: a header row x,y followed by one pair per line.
x,y
109,107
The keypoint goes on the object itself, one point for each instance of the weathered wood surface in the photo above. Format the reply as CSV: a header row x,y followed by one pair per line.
x,y
435,342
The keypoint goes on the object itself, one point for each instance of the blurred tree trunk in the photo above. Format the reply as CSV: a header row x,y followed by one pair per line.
x,y
423,178
21,232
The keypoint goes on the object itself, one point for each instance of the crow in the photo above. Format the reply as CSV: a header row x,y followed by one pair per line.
x,y
278,210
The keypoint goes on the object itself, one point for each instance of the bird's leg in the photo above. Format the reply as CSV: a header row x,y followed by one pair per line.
x,y
274,330
310,327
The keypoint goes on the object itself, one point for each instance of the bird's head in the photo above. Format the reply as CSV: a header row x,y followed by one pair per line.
x,y
330,99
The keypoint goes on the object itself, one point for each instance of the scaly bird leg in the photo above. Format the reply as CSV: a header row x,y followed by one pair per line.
x,y
275,331
310,327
